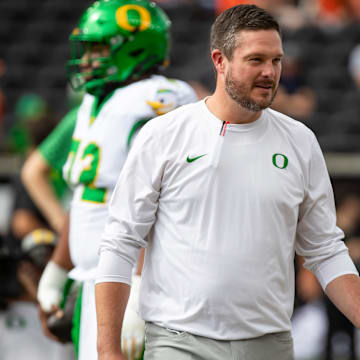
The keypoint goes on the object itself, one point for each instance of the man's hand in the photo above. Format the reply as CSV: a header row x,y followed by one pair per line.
x,y
44,316
51,286
50,294
60,323
133,330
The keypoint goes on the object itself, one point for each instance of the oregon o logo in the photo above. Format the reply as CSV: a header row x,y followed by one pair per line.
x,y
280,161
123,21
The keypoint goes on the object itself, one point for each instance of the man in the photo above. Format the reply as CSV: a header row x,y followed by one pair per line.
x,y
221,193
117,50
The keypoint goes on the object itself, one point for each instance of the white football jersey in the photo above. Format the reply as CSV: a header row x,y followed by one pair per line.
x,y
99,148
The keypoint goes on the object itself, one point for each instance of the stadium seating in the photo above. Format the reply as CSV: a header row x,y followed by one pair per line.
x,y
34,44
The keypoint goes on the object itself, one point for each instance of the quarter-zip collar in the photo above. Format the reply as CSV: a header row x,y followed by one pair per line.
x,y
252,132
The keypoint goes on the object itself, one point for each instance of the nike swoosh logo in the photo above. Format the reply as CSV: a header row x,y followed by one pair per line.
x,y
189,160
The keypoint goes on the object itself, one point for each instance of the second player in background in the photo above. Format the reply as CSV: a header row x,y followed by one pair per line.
x,y
118,50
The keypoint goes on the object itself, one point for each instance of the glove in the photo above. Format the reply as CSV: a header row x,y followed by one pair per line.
x,y
51,286
60,323
133,330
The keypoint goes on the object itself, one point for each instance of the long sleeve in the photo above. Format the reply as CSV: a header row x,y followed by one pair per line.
x,y
319,240
132,209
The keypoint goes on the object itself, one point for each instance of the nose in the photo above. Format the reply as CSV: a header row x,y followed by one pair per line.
x,y
86,57
269,70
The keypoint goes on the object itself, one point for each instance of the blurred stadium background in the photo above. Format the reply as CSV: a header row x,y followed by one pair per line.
x,y
320,82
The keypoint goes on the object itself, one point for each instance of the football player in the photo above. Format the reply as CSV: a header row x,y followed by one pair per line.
x,y
118,50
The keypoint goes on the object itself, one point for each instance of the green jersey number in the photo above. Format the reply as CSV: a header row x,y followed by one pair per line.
x,y
89,174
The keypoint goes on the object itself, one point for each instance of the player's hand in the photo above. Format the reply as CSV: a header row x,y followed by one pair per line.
x,y
44,316
49,294
60,323
51,286
133,330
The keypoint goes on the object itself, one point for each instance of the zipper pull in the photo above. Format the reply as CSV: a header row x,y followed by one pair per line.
x,y
223,128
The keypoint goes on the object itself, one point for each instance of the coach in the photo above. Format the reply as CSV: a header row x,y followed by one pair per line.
x,y
223,193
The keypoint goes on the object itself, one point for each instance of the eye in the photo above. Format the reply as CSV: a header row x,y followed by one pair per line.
x,y
277,60
256,59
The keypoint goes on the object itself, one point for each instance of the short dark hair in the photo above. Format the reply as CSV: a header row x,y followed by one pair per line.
x,y
241,17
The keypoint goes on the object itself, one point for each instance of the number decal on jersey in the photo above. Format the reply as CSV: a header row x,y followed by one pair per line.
x,y
88,175
125,17
72,155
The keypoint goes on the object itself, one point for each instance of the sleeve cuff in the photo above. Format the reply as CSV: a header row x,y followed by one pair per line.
x,y
333,268
113,268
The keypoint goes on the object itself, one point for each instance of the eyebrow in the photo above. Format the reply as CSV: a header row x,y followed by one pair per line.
x,y
262,55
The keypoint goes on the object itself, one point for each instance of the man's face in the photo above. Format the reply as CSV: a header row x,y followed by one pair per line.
x,y
252,75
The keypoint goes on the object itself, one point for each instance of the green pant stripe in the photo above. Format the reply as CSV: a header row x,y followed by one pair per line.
x,y
75,331
67,288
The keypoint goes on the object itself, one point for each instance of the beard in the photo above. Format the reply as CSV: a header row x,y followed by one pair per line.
x,y
239,93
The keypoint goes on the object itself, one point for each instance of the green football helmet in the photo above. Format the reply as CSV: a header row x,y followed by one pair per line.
x,y
130,37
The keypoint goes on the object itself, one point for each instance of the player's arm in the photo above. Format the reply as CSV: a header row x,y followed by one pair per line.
x,y
53,279
51,154
35,176
61,254
344,292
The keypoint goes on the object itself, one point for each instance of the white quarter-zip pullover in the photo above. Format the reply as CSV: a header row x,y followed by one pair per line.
x,y
222,208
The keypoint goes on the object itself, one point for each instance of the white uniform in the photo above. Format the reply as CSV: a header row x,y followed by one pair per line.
x,y
98,152
226,206
100,145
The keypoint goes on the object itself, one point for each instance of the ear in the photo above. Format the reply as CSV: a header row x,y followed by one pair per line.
x,y
219,60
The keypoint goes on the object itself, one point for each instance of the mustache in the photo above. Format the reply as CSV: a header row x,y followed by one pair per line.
x,y
265,83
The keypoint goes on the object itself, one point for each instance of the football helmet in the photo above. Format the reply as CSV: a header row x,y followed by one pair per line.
x,y
130,38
